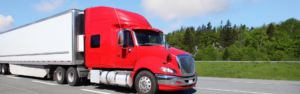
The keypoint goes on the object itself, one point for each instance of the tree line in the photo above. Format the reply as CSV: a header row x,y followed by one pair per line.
x,y
231,42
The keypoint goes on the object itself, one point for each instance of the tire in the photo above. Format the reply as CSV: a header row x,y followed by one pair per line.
x,y
4,69
60,75
72,77
145,83
0,68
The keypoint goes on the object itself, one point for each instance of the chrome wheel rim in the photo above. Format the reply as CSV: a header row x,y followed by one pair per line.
x,y
59,75
70,76
145,84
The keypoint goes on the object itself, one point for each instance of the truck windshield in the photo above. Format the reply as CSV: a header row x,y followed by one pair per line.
x,y
148,37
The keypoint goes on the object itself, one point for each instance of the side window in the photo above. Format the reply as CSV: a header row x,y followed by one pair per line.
x,y
95,41
128,39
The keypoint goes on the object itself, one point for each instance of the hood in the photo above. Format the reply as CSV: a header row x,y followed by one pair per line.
x,y
160,51
152,57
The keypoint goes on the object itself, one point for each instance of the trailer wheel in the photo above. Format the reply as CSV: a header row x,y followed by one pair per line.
x,y
145,83
0,68
72,77
60,75
4,69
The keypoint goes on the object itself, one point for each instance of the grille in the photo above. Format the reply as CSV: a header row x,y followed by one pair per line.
x,y
186,64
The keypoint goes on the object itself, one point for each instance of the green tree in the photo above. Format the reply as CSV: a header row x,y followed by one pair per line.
x,y
225,54
187,43
270,31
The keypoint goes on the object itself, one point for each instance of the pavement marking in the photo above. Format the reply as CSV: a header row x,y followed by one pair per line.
x,y
43,82
258,83
234,91
13,77
19,88
94,91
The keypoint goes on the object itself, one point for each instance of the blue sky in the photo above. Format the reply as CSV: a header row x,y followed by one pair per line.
x,y
167,15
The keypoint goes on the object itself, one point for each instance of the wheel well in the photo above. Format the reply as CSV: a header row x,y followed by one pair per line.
x,y
54,67
137,72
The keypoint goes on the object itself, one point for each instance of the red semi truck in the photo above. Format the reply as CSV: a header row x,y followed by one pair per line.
x,y
102,44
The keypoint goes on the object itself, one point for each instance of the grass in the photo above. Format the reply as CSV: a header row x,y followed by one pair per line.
x,y
253,70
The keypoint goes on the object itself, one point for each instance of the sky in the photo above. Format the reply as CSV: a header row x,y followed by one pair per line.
x,y
166,15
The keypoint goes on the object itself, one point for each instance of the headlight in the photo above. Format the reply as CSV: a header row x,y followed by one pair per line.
x,y
168,70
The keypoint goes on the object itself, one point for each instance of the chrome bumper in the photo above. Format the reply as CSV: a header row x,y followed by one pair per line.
x,y
175,80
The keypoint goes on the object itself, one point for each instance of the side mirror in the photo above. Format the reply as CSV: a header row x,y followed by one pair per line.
x,y
121,38
164,39
167,46
196,50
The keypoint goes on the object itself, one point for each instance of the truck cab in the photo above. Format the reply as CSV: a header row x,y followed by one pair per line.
x,y
123,44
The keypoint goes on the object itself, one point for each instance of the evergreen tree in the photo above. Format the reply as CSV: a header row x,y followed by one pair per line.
x,y
270,31
208,26
187,41
226,54
225,36
240,42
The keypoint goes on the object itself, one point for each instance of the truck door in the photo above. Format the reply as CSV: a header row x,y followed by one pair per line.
x,y
127,53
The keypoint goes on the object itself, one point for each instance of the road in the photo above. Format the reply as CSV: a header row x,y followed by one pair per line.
x,y
11,84
254,61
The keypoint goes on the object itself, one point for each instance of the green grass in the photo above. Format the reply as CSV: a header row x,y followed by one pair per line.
x,y
253,70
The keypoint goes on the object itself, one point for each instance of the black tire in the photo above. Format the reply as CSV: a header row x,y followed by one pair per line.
x,y
145,87
72,77
4,69
60,75
0,68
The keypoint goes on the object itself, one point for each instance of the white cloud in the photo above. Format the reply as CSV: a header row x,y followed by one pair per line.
x,y
47,5
176,13
171,25
172,9
6,22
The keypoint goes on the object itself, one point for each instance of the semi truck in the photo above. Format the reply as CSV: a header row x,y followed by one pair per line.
x,y
101,44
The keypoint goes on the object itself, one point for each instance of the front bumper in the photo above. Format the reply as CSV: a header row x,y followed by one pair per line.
x,y
171,83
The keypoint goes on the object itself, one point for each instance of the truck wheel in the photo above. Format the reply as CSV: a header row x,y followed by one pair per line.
x,y
0,68
60,75
4,69
145,83
72,77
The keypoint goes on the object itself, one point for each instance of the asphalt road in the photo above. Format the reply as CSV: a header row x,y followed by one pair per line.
x,y
11,84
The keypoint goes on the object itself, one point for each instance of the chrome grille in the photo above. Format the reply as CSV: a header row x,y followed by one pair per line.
x,y
186,64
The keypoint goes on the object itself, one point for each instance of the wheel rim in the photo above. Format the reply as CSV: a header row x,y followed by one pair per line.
x,y
71,76
145,84
59,75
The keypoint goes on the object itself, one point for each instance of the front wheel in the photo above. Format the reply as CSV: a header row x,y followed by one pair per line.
x,y
145,83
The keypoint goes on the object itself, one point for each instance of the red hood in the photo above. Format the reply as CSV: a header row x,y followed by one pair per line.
x,y
158,51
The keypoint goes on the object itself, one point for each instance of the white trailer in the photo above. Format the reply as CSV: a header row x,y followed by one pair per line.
x,y
31,49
